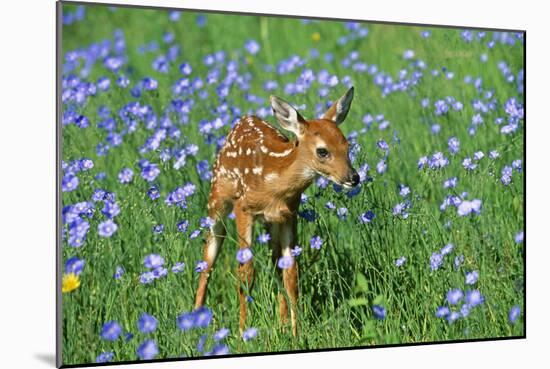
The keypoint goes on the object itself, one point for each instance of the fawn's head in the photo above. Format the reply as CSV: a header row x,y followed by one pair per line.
x,y
322,146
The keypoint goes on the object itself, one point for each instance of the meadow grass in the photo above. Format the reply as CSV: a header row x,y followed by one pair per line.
x,y
355,267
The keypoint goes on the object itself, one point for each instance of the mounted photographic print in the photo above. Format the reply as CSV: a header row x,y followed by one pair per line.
x,y
240,184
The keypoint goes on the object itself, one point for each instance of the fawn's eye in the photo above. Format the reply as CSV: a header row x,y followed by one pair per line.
x,y
322,153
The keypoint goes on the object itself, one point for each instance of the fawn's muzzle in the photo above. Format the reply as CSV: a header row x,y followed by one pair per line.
x,y
352,179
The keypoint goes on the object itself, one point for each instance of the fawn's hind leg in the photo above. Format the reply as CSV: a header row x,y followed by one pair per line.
x,y
245,271
217,210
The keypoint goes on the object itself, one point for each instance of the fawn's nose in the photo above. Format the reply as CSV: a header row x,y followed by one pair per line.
x,y
354,178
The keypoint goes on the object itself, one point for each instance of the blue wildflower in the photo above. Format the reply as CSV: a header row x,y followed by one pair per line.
x,y
454,296
250,334
147,350
107,228
514,314
244,255
316,242
472,277
147,323
379,312
110,331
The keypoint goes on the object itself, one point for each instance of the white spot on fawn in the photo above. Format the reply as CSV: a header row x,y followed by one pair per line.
x,y
257,170
271,177
280,154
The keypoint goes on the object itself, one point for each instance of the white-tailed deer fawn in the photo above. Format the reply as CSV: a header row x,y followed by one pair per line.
x,y
261,174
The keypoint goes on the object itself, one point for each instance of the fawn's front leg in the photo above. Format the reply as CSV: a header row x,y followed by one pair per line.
x,y
287,238
245,271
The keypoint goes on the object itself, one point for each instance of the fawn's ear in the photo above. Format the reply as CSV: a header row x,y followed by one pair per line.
x,y
339,110
288,117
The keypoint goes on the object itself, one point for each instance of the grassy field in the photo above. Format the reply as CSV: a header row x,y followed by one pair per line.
x,y
381,281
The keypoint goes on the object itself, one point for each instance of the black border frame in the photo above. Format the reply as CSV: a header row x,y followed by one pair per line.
x,y
59,264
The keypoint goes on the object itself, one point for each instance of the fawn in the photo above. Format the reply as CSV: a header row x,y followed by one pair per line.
x,y
261,174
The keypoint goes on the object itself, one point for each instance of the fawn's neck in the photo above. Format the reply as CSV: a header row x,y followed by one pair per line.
x,y
295,175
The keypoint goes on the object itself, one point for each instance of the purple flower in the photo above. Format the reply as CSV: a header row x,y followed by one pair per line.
x,y
185,68
148,350
244,255
110,209
119,271
149,83
468,164
400,261
401,209
201,266
436,260
514,314
453,316
472,277
447,249
153,193
381,167
178,267
422,162
158,228
474,298
442,311
203,317
186,321
69,182
183,225
379,312
147,277
366,217
458,261
506,177
454,296
221,334
296,251
105,357
316,242
264,238
147,323
252,47
450,183
219,349
249,334
74,265
125,175
438,161
285,262
516,164
206,222
153,261
341,213
150,172
107,228
468,207
404,190
519,237
110,331
454,145
160,272
383,145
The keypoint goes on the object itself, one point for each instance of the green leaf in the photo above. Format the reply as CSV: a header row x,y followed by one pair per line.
x,y
361,284
361,301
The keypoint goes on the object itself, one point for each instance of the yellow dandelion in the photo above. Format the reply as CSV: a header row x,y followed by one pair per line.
x,y
315,36
70,282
